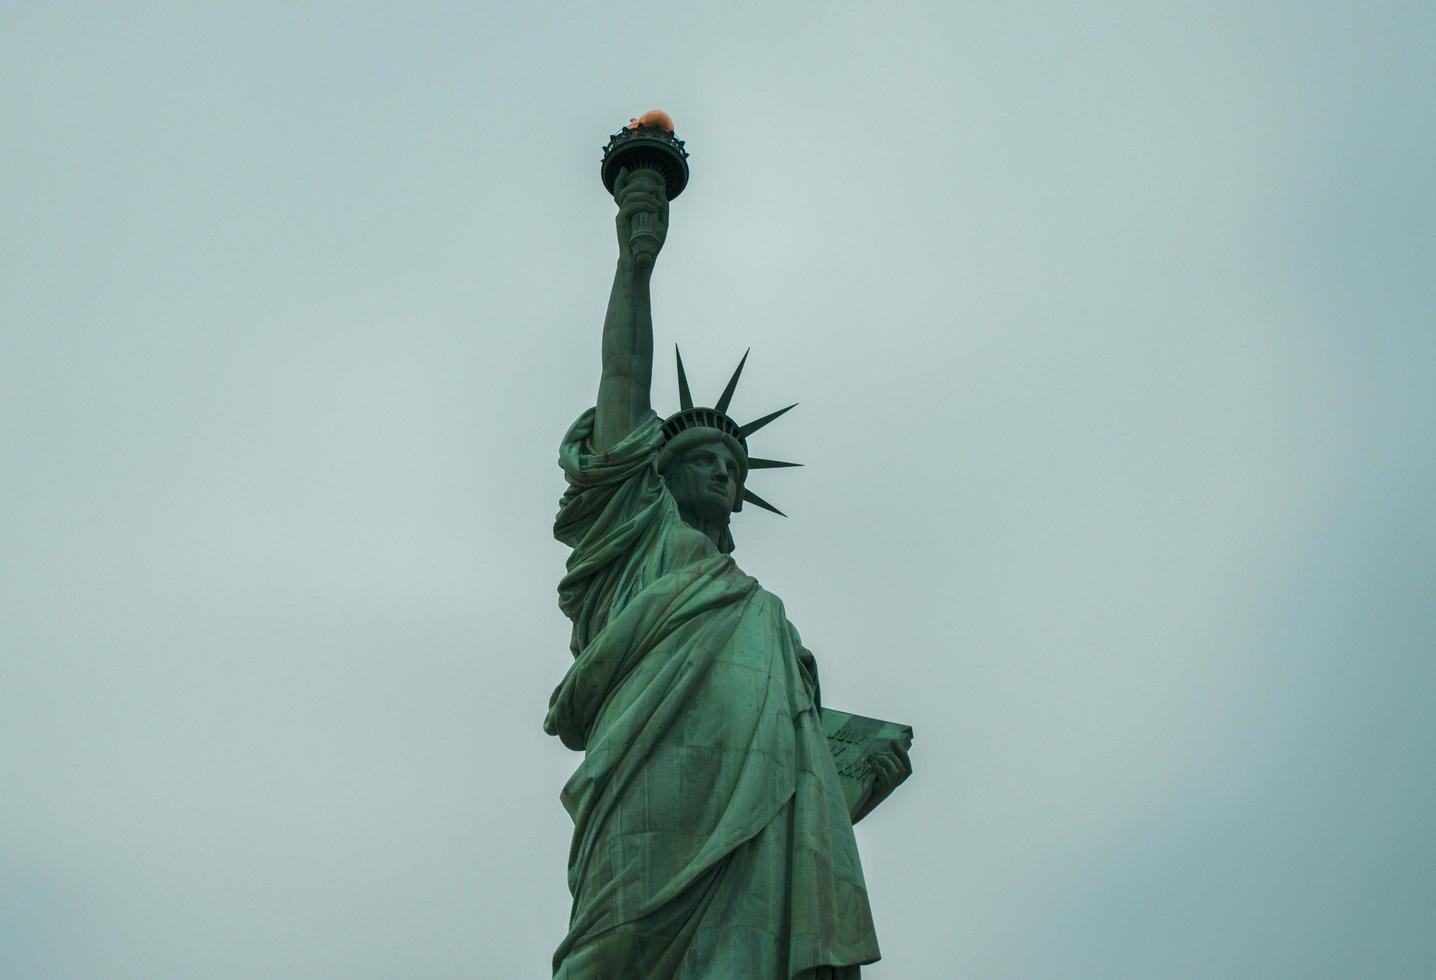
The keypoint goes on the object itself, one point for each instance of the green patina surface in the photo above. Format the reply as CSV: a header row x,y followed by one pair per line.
x,y
713,832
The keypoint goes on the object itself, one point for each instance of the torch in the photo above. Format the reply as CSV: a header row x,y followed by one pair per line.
x,y
646,143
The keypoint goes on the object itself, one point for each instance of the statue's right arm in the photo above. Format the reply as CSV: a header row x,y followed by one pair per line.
x,y
624,385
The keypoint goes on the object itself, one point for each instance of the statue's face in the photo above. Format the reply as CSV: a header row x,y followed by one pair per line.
x,y
705,482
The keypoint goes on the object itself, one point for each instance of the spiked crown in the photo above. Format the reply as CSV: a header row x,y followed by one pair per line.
x,y
689,418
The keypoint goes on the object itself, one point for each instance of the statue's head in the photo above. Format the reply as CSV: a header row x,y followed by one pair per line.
x,y
704,459
704,470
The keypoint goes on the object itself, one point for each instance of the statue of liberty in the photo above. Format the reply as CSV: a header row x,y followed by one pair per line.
x,y
713,832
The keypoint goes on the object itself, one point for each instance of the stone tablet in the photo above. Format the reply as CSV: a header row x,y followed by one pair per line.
x,y
855,740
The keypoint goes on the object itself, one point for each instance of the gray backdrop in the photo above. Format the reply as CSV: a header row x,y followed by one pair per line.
x,y
1112,329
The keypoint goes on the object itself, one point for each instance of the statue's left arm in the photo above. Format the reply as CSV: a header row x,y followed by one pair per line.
x,y
887,764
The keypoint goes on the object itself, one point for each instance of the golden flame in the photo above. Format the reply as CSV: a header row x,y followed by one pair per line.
x,y
653,117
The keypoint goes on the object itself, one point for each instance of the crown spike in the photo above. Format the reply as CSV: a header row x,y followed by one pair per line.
x,y
685,397
727,395
744,431
753,498
754,463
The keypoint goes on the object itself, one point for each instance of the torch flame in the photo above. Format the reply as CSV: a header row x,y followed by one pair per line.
x,y
653,117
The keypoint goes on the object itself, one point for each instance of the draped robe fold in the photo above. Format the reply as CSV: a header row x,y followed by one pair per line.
x,y
711,835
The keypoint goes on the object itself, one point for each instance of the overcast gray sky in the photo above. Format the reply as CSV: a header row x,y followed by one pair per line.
x,y
1112,329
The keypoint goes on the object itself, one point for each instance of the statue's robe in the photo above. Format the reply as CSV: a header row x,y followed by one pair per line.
x,y
711,835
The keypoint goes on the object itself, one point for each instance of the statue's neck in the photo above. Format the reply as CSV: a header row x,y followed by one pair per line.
x,y
712,530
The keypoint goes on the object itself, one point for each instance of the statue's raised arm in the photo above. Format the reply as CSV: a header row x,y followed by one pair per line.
x,y
623,387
